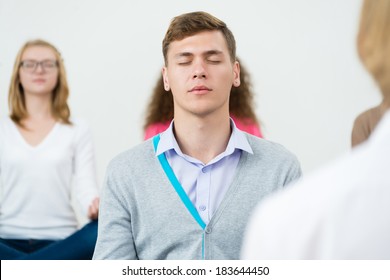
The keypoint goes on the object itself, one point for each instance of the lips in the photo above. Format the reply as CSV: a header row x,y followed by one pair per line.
x,y
200,90
39,81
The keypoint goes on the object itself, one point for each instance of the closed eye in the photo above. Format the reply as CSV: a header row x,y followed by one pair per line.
x,y
183,63
213,61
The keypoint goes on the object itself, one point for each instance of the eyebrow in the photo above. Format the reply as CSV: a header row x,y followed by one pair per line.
x,y
212,52
205,54
184,54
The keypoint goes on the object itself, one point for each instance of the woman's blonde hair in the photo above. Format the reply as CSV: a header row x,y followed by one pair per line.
x,y
374,41
16,97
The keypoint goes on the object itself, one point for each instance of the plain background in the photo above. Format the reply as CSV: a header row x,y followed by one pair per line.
x,y
308,80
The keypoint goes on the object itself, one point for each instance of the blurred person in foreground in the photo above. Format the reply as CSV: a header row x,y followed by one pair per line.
x,y
341,211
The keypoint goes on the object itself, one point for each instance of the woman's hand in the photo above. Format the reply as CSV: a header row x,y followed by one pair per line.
x,y
93,210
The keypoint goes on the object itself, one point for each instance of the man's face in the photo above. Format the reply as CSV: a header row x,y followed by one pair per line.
x,y
200,74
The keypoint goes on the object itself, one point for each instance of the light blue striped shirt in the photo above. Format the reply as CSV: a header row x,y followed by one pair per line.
x,y
204,184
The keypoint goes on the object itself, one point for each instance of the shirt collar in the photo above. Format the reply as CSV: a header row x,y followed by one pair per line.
x,y
237,140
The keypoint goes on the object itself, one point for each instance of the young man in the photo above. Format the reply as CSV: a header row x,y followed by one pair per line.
x,y
341,211
187,193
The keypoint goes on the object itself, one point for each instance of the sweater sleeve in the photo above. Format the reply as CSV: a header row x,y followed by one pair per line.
x,y
115,236
85,184
294,171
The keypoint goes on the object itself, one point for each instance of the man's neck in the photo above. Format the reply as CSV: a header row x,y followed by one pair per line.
x,y
203,138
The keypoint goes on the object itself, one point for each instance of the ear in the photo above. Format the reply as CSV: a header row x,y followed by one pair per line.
x,y
165,78
236,74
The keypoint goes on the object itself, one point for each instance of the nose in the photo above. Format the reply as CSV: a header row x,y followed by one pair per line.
x,y
39,68
199,71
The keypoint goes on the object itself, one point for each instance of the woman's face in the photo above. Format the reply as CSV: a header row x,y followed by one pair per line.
x,y
38,70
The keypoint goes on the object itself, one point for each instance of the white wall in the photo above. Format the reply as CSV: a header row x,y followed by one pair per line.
x,y
309,82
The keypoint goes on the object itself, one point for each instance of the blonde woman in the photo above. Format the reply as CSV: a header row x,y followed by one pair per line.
x,y
46,157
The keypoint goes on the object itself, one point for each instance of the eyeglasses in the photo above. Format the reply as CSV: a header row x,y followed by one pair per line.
x,y
31,66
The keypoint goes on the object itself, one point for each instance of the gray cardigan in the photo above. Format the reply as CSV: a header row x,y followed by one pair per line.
x,y
142,217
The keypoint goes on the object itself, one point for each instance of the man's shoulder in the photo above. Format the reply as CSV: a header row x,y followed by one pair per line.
x,y
268,149
138,155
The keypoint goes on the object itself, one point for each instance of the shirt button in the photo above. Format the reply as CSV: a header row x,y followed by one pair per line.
x,y
202,207
208,230
205,169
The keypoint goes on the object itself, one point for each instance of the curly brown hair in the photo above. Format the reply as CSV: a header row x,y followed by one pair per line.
x,y
241,102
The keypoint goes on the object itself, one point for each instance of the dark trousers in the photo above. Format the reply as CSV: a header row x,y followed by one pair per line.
x,y
78,246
